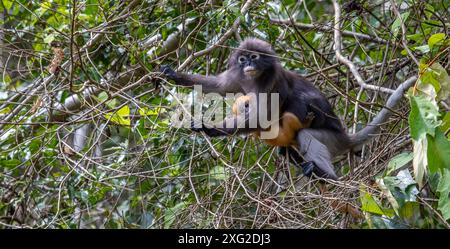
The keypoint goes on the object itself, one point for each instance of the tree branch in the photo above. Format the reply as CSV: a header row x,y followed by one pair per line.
x,y
347,62
222,39
328,29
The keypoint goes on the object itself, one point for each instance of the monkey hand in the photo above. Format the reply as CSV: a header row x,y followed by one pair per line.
x,y
168,72
208,130
199,127
310,116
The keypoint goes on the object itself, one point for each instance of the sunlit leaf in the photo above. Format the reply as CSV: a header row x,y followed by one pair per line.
x,y
5,110
424,49
415,37
49,38
8,4
120,117
145,111
436,39
423,117
369,204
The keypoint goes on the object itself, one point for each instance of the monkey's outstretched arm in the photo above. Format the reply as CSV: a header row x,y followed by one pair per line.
x,y
233,125
220,84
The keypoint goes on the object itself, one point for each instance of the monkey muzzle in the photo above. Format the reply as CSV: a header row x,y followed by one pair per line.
x,y
250,71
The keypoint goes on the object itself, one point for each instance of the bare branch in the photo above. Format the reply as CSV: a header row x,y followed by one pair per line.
x,y
347,62
328,28
222,39
402,25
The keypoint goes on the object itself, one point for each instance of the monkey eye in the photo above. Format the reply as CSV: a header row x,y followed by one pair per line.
x,y
254,56
242,59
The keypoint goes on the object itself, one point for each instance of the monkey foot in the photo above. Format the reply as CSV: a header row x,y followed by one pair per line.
x,y
310,167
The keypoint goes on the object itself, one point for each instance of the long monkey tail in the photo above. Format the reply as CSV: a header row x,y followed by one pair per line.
x,y
358,139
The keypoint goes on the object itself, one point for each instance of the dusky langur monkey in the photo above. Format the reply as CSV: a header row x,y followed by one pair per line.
x,y
254,68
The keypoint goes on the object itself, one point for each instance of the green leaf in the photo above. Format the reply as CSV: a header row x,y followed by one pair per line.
x,y
91,8
49,38
429,10
102,97
430,76
445,123
145,111
441,76
5,110
416,37
8,4
10,163
218,173
436,39
444,194
402,187
409,210
438,152
423,49
121,117
44,6
423,117
171,213
146,220
395,27
369,204
399,161
6,78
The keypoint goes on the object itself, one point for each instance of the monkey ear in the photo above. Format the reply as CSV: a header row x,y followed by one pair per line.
x,y
166,70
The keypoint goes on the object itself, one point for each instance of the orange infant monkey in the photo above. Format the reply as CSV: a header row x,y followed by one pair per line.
x,y
288,129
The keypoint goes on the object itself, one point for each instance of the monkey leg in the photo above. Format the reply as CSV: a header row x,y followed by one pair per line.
x,y
315,153
335,142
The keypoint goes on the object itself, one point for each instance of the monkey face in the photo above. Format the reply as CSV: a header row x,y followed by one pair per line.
x,y
250,64
253,59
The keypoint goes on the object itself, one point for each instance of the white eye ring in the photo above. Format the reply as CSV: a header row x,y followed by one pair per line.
x,y
241,59
254,56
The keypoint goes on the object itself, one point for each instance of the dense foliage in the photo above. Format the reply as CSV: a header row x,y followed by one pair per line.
x,y
85,134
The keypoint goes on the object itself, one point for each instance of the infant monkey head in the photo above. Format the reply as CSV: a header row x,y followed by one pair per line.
x,y
242,104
